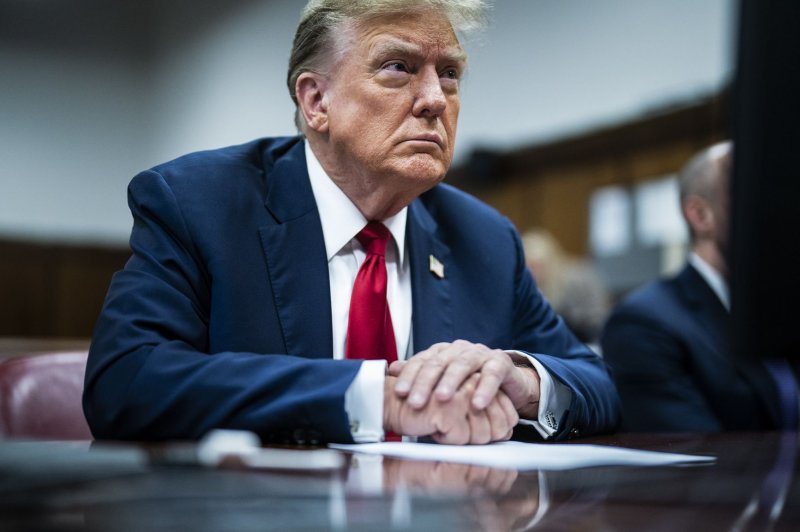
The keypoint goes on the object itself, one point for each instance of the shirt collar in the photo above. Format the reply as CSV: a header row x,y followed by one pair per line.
x,y
713,278
341,220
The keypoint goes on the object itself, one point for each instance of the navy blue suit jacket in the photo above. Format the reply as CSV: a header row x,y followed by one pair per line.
x,y
222,316
668,347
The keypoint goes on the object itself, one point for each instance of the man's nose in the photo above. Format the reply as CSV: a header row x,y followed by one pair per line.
x,y
430,100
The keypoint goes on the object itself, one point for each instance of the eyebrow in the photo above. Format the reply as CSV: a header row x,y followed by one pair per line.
x,y
453,54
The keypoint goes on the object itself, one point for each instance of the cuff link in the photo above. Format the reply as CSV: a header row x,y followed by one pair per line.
x,y
550,420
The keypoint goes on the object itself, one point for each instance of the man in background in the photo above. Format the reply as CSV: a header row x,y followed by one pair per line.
x,y
281,286
570,284
668,342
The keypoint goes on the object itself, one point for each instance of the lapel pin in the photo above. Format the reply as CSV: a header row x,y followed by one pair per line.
x,y
436,267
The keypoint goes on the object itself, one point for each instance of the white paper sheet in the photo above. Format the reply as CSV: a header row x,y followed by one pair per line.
x,y
527,456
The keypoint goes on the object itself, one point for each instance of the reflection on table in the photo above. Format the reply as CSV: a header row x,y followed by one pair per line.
x,y
83,486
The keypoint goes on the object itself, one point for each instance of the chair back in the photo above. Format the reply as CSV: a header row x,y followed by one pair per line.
x,y
40,396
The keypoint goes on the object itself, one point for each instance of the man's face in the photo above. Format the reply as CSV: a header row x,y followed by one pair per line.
x,y
721,207
393,102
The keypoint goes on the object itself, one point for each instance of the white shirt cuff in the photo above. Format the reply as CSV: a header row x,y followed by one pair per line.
x,y
554,399
363,402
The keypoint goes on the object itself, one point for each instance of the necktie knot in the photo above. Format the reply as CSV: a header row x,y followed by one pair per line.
x,y
374,238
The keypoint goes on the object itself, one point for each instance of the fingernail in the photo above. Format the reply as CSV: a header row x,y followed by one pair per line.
x,y
444,391
402,387
416,399
479,401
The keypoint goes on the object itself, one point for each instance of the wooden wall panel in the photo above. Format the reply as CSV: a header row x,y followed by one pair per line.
x,y
81,281
53,290
658,161
550,186
24,289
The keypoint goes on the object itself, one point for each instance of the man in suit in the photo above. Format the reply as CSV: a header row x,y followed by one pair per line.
x,y
667,343
272,284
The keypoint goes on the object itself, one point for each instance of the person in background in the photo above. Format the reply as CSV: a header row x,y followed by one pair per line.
x,y
570,284
667,342
283,285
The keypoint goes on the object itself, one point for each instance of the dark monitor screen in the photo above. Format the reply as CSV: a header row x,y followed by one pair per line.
x,y
765,216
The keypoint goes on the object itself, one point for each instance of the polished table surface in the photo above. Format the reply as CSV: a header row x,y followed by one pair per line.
x,y
83,486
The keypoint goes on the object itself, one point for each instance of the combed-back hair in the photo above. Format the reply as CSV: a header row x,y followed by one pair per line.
x,y
314,43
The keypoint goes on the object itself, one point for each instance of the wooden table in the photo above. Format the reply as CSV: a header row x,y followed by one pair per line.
x,y
81,487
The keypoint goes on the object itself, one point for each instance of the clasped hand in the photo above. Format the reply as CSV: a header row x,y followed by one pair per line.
x,y
459,393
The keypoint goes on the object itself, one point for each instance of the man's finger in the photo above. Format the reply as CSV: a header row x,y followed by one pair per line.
x,y
480,429
406,378
494,372
396,367
456,433
410,369
431,365
498,423
463,361
499,420
512,416
452,417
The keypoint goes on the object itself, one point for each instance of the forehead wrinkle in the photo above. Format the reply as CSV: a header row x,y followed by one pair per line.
x,y
393,45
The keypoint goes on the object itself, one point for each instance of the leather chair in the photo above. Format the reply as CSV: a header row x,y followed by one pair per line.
x,y
40,396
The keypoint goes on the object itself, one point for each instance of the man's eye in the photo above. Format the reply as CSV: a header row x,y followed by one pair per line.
x,y
450,73
396,67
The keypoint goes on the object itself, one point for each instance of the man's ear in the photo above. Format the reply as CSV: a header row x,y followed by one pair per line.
x,y
311,91
698,214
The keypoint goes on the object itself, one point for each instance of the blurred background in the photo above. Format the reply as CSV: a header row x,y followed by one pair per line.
x,y
576,115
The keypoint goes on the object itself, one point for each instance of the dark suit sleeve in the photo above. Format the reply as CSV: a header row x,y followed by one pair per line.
x,y
653,375
539,331
150,374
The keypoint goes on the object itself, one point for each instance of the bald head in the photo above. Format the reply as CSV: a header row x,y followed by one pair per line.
x,y
704,190
704,171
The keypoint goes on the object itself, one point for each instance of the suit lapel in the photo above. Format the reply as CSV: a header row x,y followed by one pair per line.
x,y
708,309
294,249
432,318
715,319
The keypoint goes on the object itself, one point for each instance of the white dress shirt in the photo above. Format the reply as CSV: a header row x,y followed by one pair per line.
x,y
713,278
341,222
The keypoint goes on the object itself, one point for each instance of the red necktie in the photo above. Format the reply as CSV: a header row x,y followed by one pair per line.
x,y
370,334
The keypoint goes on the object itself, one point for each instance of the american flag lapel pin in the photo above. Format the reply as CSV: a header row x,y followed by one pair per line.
x,y
436,267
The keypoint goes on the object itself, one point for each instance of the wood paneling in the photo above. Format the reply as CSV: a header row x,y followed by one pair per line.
x,y
53,290
549,186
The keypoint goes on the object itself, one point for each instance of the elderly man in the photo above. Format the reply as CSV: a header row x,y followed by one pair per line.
x,y
282,286
668,341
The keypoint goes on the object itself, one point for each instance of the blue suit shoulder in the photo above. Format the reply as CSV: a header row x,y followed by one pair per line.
x,y
448,200
223,169
650,299
661,305
214,184
225,164
459,213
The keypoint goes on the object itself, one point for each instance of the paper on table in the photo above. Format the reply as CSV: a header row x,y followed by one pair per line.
x,y
527,456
